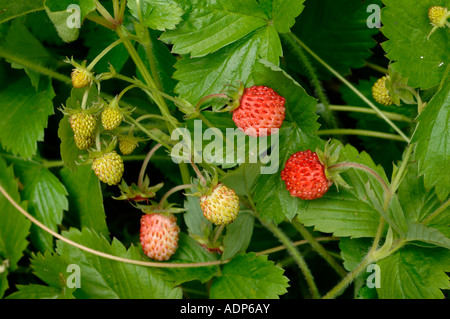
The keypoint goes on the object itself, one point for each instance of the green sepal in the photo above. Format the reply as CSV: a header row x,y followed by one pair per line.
x,y
134,193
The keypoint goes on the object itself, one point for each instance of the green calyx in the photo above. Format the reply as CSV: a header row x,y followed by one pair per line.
x,y
204,185
135,194
399,90
329,158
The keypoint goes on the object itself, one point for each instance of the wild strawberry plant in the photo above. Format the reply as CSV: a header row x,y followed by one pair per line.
x,y
224,149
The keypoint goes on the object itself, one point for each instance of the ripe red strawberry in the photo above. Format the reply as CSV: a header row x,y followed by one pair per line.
x,y
260,111
109,168
159,235
221,206
304,176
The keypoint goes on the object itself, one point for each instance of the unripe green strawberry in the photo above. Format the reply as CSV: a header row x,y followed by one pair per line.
x,y
159,235
83,126
109,168
111,118
438,16
80,78
127,144
380,93
305,176
221,206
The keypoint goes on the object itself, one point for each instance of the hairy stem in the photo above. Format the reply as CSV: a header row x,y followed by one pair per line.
x,y
350,86
358,109
145,163
342,131
318,247
297,257
298,51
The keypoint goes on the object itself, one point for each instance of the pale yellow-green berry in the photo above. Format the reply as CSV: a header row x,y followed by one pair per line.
x,y
221,207
109,168
380,93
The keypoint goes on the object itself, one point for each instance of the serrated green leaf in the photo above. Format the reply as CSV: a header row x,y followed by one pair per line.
x,y
35,291
46,198
430,235
14,227
199,77
23,116
157,14
198,225
25,46
103,278
284,13
63,11
13,9
238,236
336,30
353,250
85,198
414,273
418,203
433,142
213,25
251,277
406,25
52,269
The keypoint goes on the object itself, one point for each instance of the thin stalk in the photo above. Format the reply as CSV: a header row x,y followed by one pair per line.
x,y
363,168
318,247
297,257
328,115
358,109
146,131
104,13
377,68
350,86
103,53
145,163
336,290
33,66
345,131
171,191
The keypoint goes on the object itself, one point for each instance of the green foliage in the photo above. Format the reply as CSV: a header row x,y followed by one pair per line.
x,y
318,55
